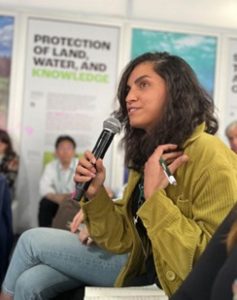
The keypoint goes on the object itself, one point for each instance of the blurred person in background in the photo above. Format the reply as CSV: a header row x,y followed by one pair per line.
x,y
56,183
231,134
9,161
6,230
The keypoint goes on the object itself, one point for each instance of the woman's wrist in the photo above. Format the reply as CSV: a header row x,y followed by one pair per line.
x,y
90,196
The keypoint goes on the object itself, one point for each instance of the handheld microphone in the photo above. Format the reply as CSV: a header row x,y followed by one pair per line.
x,y
111,126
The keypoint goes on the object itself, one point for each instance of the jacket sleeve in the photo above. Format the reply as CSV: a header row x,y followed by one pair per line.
x,y
108,223
180,230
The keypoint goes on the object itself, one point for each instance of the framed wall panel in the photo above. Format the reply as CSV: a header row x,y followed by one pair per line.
x,y
231,102
6,43
197,49
70,79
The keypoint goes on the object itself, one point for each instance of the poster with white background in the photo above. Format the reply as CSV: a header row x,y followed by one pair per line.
x,y
70,82
231,111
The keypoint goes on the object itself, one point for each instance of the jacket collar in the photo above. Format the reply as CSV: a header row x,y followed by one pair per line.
x,y
197,132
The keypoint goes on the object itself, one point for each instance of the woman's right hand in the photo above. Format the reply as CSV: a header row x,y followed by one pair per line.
x,y
88,169
154,176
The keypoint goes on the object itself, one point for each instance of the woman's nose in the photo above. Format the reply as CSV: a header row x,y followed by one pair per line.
x,y
131,95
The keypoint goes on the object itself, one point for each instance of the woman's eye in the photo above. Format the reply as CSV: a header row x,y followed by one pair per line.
x,y
143,84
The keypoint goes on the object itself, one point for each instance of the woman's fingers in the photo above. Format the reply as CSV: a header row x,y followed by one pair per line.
x,y
77,220
89,241
84,236
85,170
178,162
166,147
74,225
168,152
83,175
155,174
90,157
171,156
99,166
90,169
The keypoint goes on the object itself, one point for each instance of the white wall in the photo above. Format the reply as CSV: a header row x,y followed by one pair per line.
x,y
216,17
217,13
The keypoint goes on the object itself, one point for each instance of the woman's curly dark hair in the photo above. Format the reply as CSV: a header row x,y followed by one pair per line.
x,y
5,139
187,106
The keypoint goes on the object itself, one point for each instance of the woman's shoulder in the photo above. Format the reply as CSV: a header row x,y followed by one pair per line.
x,y
208,142
210,148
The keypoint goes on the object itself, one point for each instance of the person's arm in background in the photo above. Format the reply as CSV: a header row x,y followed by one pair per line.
x,y
47,186
11,169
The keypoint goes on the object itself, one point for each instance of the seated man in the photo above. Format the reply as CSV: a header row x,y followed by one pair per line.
x,y
57,184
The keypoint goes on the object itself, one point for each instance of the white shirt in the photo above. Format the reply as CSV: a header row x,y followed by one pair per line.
x,y
56,179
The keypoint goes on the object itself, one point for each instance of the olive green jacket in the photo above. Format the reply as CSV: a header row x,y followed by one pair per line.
x,y
179,220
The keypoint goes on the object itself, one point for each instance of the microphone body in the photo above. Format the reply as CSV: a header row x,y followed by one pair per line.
x,y
111,127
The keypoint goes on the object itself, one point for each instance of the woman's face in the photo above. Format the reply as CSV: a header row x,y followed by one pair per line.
x,y
146,97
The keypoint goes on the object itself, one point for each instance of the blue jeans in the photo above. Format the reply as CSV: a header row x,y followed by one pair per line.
x,y
49,261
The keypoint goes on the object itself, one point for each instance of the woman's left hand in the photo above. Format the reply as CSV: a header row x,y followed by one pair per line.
x,y
77,226
154,176
84,235
77,221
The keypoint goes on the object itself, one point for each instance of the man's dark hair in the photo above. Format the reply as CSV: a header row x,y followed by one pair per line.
x,y
63,138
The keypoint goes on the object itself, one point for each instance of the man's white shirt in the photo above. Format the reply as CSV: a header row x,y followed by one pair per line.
x,y
57,180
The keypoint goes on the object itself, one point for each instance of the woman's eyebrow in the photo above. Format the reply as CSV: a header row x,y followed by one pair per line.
x,y
141,78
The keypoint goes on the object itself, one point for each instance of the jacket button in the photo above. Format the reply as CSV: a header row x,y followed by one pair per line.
x,y
170,275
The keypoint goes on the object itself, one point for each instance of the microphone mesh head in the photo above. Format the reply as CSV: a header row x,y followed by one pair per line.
x,y
112,124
